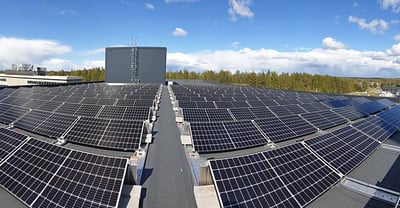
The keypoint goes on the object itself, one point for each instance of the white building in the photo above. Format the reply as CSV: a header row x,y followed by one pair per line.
x,y
21,80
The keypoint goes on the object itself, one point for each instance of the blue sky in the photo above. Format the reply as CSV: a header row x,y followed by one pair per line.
x,y
344,37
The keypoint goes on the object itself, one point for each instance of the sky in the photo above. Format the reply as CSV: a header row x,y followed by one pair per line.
x,y
352,38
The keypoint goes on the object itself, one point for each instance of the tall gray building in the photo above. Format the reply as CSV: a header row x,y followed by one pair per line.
x,y
136,64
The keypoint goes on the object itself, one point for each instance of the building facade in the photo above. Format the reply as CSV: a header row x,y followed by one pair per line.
x,y
135,64
21,80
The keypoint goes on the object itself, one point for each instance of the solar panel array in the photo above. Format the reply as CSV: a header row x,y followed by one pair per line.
x,y
53,111
290,176
281,115
222,136
41,174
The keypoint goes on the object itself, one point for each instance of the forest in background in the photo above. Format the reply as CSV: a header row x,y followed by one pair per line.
x,y
292,81
268,79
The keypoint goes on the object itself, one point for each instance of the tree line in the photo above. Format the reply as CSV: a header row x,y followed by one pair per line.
x,y
88,75
292,81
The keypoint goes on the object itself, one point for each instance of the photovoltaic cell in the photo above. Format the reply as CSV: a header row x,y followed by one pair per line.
x,y
123,134
242,113
350,113
88,110
218,115
210,137
194,115
32,119
112,112
87,131
244,134
376,128
13,114
55,125
137,113
45,175
9,140
262,112
344,149
275,129
286,177
298,125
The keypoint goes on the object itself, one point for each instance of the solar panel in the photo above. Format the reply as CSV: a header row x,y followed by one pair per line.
x,y
89,100
262,112
290,176
334,104
88,110
68,108
244,134
186,104
295,109
44,175
49,106
55,125
309,107
106,101
74,99
280,110
87,131
34,104
32,119
205,104
391,116
224,104
137,113
144,103
4,107
122,102
350,113
114,134
324,119
338,150
376,128
112,112
298,125
210,137
9,140
26,173
255,103
240,104
194,115
242,113
13,114
60,98
125,135
275,129
218,115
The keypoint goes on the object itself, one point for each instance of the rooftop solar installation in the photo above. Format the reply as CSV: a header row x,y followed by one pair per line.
x,y
376,127
9,140
324,119
32,119
114,134
344,149
275,129
290,176
55,125
12,114
44,175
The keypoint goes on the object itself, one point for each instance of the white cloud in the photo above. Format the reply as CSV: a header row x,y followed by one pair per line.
x,y
94,52
67,12
56,64
240,8
394,4
332,44
375,26
235,44
17,51
396,38
395,50
149,6
343,62
178,1
179,32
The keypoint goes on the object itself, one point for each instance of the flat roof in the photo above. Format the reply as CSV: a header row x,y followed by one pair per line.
x,y
41,77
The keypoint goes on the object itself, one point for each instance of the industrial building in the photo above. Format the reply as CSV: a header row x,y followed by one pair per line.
x,y
135,64
21,80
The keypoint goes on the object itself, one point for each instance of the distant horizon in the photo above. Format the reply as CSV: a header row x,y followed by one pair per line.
x,y
339,38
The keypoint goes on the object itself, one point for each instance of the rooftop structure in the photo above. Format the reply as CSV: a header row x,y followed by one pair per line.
x,y
21,80
230,146
135,64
